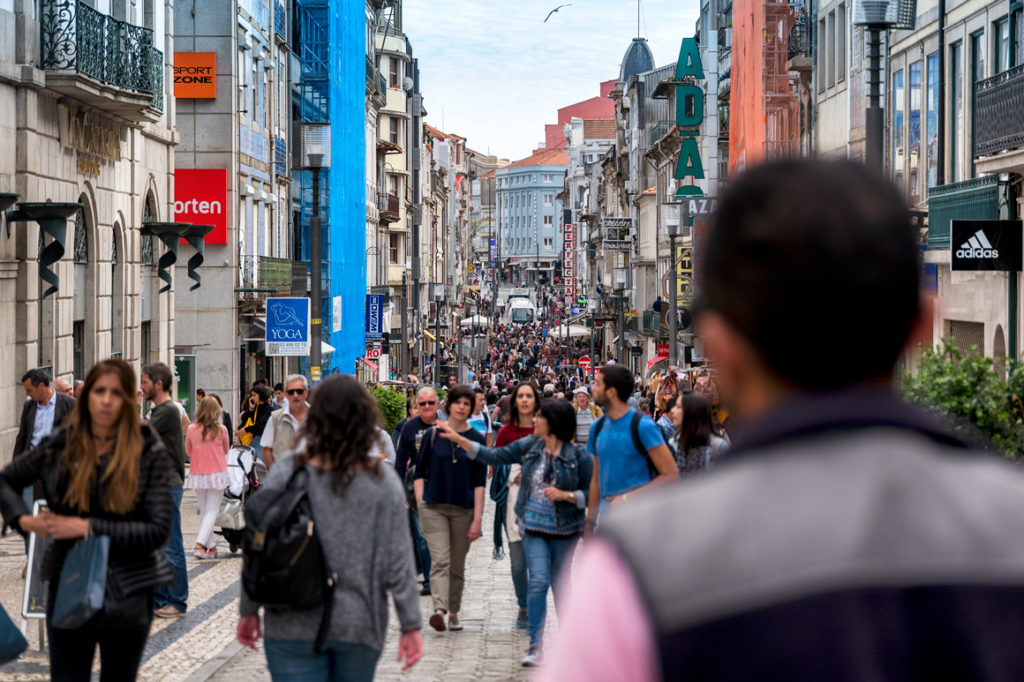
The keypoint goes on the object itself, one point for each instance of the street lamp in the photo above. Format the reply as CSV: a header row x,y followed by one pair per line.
x,y
878,16
620,282
438,295
672,216
315,153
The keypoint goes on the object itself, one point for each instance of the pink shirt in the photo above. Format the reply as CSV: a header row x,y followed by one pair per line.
x,y
207,456
605,633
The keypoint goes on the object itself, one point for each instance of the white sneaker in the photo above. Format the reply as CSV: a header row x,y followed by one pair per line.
x,y
532,657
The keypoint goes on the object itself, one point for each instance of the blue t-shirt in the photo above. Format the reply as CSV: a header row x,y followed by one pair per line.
x,y
621,468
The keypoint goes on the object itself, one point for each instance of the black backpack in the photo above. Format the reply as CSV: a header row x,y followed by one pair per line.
x,y
283,563
634,430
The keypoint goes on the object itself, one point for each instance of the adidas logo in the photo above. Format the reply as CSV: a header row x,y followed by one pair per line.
x,y
977,246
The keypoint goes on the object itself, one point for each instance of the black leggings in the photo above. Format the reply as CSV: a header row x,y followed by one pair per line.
x,y
121,646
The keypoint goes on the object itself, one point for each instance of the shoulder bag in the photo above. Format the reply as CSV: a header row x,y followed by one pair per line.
x,y
83,583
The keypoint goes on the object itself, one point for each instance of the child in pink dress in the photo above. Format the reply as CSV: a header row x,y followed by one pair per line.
x,y
206,442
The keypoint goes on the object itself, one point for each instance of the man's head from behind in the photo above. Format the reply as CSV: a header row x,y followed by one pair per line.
x,y
810,279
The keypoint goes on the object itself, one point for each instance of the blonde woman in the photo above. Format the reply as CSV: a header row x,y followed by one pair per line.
x,y
206,442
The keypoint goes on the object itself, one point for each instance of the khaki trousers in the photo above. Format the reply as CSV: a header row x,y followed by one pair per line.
x,y
446,528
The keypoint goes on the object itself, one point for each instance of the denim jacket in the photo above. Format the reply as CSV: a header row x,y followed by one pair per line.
x,y
573,468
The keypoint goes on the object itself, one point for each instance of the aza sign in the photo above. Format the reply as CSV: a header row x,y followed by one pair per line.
x,y
990,245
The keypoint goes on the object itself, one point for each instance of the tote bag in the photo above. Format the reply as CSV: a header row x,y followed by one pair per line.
x,y
83,583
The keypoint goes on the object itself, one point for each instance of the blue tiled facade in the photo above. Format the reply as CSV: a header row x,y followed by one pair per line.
x,y
330,42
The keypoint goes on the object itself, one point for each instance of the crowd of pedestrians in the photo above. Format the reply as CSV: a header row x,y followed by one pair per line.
x,y
834,533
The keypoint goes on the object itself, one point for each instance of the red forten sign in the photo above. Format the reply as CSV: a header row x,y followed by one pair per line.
x,y
584,363
201,198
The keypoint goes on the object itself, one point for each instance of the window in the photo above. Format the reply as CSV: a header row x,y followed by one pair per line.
x,y
548,177
548,242
549,199
956,133
394,241
393,69
393,129
821,54
978,71
548,221
914,132
897,126
1015,41
830,67
931,118
841,42
1001,45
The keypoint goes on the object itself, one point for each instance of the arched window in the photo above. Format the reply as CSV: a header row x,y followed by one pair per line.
x,y
81,239
147,240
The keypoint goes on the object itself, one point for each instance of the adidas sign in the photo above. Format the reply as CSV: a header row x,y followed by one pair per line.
x,y
977,246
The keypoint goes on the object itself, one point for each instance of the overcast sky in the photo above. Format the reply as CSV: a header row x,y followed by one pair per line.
x,y
493,72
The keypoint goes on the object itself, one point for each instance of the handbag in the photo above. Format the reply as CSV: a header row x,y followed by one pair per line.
x,y
12,642
83,583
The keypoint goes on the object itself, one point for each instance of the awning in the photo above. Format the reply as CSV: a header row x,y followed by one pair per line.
x,y
326,348
369,363
655,360
429,335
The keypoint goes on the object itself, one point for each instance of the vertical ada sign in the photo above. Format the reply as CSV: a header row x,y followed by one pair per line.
x,y
201,198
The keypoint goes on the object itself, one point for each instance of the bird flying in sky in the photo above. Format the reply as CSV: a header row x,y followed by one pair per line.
x,y
555,10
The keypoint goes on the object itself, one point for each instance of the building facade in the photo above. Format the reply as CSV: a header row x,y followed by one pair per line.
x,y
85,127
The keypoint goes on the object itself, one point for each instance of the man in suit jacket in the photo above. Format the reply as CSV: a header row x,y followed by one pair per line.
x,y
45,411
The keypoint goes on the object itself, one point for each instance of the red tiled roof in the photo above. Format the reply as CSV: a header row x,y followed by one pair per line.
x,y
489,174
598,129
547,157
649,190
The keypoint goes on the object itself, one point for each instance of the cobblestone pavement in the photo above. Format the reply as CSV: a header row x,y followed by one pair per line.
x,y
202,646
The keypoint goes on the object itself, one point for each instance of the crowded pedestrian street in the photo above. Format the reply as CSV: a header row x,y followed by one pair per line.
x,y
605,341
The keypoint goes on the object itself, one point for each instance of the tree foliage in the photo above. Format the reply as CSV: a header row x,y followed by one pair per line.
x,y
973,392
391,404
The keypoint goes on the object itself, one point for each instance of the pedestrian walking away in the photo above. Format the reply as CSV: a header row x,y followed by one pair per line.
x,y
103,474
450,498
847,535
169,601
207,444
358,511
551,505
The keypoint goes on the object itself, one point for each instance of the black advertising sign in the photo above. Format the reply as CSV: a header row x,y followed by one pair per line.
x,y
990,245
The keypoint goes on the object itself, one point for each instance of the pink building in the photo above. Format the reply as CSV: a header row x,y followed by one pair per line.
x,y
600,107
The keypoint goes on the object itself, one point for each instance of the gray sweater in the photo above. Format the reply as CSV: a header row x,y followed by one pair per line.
x,y
365,536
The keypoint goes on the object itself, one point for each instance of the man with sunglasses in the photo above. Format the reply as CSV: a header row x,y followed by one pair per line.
x,y
405,466
284,423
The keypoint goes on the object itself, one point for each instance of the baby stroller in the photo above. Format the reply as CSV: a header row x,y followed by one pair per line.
x,y
246,473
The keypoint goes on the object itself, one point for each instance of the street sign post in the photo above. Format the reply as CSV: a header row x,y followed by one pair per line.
x,y
584,363
288,327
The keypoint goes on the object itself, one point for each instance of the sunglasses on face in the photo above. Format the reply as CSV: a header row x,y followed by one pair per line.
x,y
424,403
295,391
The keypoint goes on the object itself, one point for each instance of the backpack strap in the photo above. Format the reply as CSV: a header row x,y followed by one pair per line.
x,y
634,429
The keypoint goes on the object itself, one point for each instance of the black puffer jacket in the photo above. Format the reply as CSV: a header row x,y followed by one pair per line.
x,y
134,537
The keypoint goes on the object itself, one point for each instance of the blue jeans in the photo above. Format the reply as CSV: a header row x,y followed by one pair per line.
x,y
289,660
545,557
517,559
175,594
419,542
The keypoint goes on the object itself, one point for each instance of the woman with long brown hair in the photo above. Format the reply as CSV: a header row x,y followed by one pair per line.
x,y
102,474
359,509
206,443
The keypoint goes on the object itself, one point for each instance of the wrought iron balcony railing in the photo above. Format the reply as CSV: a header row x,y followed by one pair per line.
x,y
76,38
999,112
661,130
